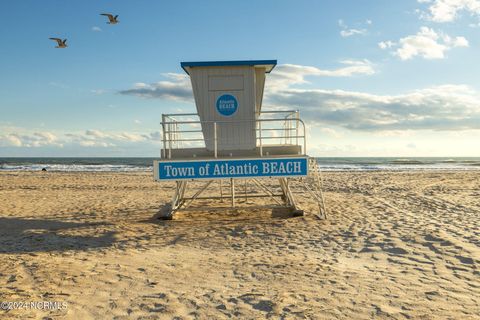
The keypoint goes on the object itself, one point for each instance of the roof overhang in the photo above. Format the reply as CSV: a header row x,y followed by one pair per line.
x,y
267,64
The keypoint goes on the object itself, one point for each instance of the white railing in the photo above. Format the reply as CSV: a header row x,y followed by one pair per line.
x,y
272,128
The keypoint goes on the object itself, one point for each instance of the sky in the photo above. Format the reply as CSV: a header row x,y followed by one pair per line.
x,y
370,78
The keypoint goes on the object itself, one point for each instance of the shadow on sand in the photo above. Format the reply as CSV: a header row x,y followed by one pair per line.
x,y
35,235
227,215
218,228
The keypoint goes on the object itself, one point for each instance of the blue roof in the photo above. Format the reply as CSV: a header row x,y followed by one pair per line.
x,y
271,63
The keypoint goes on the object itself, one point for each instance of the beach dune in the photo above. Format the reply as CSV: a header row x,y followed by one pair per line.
x,y
402,245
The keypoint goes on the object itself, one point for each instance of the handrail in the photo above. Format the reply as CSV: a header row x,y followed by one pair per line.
x,y
196,114
291,132
230,121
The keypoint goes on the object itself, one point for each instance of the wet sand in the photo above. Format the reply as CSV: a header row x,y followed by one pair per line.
x,y
395,246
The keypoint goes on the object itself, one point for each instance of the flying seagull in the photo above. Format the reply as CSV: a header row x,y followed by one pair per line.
x,y
61,43
111,18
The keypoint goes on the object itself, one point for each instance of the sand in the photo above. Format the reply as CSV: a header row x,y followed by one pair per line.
x,y
395,246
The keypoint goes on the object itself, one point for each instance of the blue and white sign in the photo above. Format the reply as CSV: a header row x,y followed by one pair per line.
x,y
235,168
227,105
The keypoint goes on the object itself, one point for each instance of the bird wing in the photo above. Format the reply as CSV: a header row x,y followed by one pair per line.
x,y
59,41
64,41
116,17
110,17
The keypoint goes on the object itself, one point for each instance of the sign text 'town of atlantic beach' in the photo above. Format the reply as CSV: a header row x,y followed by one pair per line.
x,y
221,169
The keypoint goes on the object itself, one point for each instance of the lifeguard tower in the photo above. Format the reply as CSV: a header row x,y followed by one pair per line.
x,y
231,138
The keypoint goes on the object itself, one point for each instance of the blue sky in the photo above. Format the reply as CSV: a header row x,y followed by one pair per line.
x,y
371,78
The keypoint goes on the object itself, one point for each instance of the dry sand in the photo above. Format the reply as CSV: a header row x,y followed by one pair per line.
x,y
395,246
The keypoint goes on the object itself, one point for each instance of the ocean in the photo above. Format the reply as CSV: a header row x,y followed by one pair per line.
x,y
326,164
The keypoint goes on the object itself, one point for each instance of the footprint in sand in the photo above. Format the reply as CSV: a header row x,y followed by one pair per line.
x,y
257,303
465,260
396,250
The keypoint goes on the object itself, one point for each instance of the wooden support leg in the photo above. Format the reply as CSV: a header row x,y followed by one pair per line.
x,y
232,191
166,213
270,193
246,191
198,193
221,190
290,198
284,192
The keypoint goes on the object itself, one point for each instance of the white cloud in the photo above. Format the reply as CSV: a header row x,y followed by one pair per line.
x,y
448,10
10,140
126,136
352,32
447,107
427,43
95,134
96,29
33,140
98,91
286,75
58,85
386,44
177,87
112,137
153,136
46,136
348,32
458,42
21,137
92,143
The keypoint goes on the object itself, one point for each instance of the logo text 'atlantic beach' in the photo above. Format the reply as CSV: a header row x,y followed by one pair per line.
x,y
227,104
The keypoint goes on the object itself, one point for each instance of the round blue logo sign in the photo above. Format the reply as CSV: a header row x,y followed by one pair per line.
x,y
227,105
